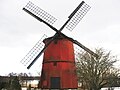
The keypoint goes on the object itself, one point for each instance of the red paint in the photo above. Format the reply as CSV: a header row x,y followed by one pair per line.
x,y
59,62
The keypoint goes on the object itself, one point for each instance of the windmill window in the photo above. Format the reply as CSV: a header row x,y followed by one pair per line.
x,y
55,64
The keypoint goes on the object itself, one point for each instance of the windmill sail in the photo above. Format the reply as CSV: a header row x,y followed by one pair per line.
x,y
77,15
33,52
38,13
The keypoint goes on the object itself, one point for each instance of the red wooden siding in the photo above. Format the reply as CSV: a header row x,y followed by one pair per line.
x,y
59,62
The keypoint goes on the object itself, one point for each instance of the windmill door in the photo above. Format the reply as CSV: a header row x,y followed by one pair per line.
x,y
55,82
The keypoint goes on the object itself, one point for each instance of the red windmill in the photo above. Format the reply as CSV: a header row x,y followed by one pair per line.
x,y
58,69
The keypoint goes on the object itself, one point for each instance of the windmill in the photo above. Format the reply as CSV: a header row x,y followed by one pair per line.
x,y
58,68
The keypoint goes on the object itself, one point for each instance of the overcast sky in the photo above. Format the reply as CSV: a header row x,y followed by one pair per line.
x,y
19,31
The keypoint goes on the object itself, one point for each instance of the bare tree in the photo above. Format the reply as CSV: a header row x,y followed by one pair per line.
x,y
93,72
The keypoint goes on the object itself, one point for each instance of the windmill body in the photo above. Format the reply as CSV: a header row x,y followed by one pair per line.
x,y
58,70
